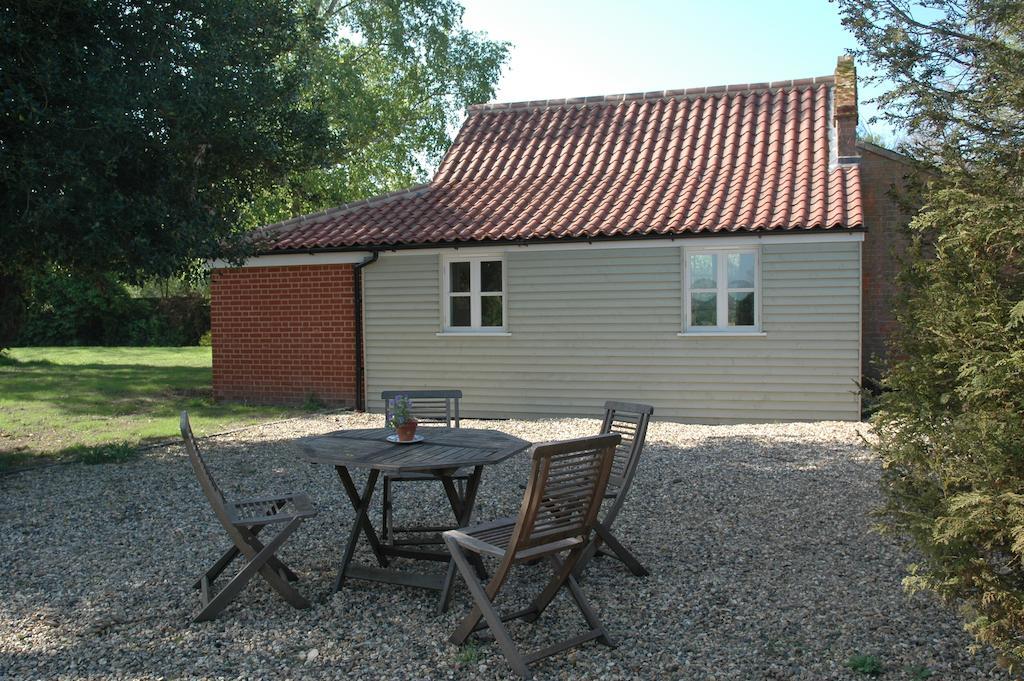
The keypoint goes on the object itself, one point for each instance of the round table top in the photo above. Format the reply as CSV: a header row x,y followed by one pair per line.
x,y
442,448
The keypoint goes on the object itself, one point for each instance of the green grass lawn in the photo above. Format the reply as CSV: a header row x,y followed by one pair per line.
x,y
64,402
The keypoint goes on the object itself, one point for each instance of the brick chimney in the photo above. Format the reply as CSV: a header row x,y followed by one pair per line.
x,y
845,107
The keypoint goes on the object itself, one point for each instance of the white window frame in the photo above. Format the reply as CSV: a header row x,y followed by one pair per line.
x,y
475,295
722,292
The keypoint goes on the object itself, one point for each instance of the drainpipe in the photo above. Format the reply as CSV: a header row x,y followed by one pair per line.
x,y
358,299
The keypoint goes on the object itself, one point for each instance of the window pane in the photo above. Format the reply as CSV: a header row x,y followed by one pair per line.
x,y
490,311
490,275
703,271
460,311
741,309
703,309
459,277
741,270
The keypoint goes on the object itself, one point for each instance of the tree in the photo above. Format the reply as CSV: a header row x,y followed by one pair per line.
x,y
138,136
131,133
951,424
395,77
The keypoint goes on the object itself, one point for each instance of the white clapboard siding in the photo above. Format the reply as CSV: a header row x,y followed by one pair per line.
x,y
592,325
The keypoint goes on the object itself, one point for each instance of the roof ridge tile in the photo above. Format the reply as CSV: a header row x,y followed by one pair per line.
x,y
689,93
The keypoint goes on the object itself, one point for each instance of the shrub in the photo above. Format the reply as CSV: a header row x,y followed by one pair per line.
x,y
64,309
951,421
951,415
12,307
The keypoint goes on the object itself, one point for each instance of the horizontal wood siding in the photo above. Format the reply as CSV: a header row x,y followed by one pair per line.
x,y
591,325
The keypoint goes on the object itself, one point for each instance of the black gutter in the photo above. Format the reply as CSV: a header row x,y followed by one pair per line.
x,y
565,240
357,296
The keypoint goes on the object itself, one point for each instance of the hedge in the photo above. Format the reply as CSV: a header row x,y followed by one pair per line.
x,y
65,310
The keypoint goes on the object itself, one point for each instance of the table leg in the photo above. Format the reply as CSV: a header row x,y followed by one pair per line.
x,y
462,507
367,524
361,524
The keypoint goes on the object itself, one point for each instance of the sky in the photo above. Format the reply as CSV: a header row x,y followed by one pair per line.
x,y
572,48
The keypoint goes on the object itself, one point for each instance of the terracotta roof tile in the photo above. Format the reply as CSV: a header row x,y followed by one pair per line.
x,y
701,160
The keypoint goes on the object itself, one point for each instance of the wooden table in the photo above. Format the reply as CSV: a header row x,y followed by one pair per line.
x,y
443,451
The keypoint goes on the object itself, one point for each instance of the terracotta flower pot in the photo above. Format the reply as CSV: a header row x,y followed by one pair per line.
x,y
406,431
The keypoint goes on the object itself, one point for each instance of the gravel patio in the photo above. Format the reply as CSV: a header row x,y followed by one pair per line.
x,y
758,537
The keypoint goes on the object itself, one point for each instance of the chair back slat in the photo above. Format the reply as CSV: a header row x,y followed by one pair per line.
x,y
567,484
629,420
202,471
429,407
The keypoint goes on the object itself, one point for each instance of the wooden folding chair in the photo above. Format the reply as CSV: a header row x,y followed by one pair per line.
x,y
629,420
430,408
243,520
566,486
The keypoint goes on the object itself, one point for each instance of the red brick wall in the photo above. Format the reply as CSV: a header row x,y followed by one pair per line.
x,y
283,334
885,244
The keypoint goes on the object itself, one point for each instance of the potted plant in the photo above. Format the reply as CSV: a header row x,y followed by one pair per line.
x,y
401,419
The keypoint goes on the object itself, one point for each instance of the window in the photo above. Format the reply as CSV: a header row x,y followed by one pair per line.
x,y
474,294
720,290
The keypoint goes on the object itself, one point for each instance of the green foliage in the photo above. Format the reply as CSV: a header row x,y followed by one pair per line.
x,y
313,403
63,309
195,283
12,308
394,79
140,137
868,665
920,673
468,653
951,432
400,410
950,419
953,71
134,130
206,340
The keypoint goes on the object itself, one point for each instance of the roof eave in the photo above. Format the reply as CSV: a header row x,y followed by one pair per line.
x,y
402,246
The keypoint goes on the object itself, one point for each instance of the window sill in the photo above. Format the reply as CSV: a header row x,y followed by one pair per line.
x,y
722,334
471,334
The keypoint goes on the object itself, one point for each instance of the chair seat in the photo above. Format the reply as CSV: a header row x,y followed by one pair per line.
x,y
493,538
266,510
460,474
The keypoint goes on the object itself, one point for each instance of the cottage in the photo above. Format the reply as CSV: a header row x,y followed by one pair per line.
x,y
702,249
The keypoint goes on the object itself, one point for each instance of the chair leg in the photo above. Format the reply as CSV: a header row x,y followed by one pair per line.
x,y
563,571
257,563
588,612
273,561
620,551
484,608
447,588
225,560
385,514
589,552
218,567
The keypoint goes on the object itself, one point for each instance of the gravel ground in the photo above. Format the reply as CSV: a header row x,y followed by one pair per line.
x,y
758,537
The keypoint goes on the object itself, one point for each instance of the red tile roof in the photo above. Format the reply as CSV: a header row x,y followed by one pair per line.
x,y
727,159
